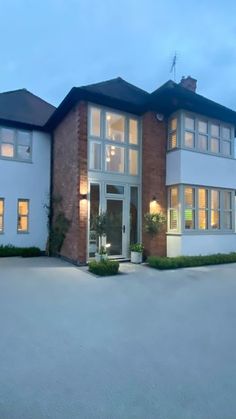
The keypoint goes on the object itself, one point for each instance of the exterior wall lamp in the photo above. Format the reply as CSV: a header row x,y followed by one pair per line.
x,y
83,196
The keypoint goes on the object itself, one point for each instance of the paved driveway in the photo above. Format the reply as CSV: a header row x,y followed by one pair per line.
x,y
145,344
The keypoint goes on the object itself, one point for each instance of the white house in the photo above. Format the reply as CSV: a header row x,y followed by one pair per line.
x,y
24,169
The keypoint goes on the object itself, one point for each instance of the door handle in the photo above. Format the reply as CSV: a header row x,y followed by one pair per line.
x,y
123,228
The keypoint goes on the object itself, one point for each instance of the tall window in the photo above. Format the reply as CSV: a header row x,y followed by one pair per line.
x,y
189,208
215,138
23,216
94,211
173,208
202,135
227,210
15,144
114,144
173,133
202,209
189,133
1,215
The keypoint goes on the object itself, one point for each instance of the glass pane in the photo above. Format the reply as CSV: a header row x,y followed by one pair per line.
x,y
189,123
23,152
215,130
115,159
202,127
215,145
189,197
133,131
94,211
202,198
226,134
202,220
95,128
173,140
189,218
23,138
7,150
133,162
189,139
1,206
1,223
95,156
114,237
173,197
227,200
215,219
173,219
115,189
226,148
23,207
115,127
215,199
133,214
202,142
22,223
173,124
7,135
227,220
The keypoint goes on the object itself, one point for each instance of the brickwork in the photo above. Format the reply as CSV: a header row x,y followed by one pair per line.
x,y
153,178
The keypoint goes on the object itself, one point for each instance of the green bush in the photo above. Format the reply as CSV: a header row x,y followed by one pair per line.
x,y
190,261
9,250
137,247
104,268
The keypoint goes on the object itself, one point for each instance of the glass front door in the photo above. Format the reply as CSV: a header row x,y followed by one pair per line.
x,y
115,236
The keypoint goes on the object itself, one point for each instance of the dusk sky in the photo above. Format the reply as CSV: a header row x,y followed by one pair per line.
x,y
50,46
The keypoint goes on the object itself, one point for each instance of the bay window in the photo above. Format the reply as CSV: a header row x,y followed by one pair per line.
x,y
201,209
173,133
189,132
114,142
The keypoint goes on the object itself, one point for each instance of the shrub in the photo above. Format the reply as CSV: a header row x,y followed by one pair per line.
x,y
190,261
9,250
154,223
137,247
104,268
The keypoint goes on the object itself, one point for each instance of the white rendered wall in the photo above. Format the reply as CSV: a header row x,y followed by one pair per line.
x,y
31,181
193,168
204,244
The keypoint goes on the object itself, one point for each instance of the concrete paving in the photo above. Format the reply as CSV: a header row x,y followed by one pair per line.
x,y
145,344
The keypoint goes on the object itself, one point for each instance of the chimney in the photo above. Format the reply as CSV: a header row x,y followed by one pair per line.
x,y
189,83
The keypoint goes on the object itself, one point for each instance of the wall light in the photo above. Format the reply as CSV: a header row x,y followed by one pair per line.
x,y
154,198
83,196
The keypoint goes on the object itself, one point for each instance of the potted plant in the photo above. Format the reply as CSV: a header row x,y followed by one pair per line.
x,y
100,226
136,252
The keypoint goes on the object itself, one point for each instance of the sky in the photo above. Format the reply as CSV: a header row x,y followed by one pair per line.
x,y
49,46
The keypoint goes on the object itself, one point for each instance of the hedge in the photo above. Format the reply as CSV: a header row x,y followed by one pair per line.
x,y
104,268
9,250
190,261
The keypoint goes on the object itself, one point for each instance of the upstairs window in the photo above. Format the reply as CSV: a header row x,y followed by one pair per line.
x,y
115,127
15,144
173,133
189,132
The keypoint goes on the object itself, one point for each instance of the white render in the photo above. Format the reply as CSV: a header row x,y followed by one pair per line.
x,y
194,168
27,180
196,244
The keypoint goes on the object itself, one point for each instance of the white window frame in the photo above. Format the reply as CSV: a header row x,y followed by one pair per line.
x,y
16,144
20,215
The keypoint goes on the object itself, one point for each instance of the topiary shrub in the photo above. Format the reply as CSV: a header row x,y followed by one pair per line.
x,y
190,261
104,268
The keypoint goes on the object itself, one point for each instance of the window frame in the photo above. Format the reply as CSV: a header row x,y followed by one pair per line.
x,y
173,208
16,144
27,215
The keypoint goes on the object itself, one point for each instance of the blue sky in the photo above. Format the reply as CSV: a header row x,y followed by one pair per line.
x,y
48,46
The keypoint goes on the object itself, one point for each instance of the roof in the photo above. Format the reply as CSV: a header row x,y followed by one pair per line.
x,y
119,94
23,108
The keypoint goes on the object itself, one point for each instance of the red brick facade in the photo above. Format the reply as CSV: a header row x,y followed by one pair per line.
x,y
153,178
70,180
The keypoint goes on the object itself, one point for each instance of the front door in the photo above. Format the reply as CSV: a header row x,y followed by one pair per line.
x,y
116,236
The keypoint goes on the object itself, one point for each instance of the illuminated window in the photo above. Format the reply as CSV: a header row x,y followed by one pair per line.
x,y
202,135
1,215
133,131
115,127
173,133
115,159
15,144
189,134
7,137
173,208
202,209
215,138
189,208
133,162
23,216
227,210
95,155
215,209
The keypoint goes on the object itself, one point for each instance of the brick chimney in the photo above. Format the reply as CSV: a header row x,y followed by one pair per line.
x,y
189,83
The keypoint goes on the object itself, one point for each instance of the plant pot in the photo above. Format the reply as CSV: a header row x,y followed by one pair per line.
x,y
136,257
104,256
98,257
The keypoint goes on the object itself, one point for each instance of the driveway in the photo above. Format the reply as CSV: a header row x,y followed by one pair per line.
x,y
145,344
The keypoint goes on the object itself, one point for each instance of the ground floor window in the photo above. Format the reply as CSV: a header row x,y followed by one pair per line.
x,y
23,216
1,215
200,208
